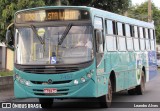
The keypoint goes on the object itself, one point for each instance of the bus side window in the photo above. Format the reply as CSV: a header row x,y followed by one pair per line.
x,y
142,42
111,33
147,40
136,40
151,33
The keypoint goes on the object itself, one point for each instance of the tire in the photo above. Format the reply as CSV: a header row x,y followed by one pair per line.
x,y
132,91
46,102
141,88
106,100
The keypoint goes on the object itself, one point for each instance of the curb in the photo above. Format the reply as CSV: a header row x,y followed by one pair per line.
x,y
6,82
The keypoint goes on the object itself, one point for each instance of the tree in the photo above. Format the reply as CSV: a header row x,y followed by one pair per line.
x,y
3,3
80,2
116,6
56,2
141,12
9,7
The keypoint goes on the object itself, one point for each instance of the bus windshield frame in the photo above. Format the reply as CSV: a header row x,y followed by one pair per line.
x,y
85,29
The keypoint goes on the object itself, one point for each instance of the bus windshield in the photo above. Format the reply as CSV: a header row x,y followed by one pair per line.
x,y
76,46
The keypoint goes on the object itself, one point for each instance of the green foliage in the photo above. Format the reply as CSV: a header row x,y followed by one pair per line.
x,y
6,73
141,12
80,2
158,33
9,7
116,6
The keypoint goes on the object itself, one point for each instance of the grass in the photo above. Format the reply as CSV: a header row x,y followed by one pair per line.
x,y
6,73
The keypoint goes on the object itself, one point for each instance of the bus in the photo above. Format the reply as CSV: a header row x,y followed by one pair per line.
x,y
48,63
158,55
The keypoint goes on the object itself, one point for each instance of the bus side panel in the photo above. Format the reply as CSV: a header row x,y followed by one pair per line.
x,y
132,81
119,65
102,77
152,64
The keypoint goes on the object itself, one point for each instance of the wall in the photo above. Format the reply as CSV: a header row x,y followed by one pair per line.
x,y
6,82
3,57
9,62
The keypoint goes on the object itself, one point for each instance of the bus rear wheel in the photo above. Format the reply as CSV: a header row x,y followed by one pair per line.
x,y
105,101
46,102
141,88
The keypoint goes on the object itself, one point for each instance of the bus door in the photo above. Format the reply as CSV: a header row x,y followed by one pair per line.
x,y
99,44
99,38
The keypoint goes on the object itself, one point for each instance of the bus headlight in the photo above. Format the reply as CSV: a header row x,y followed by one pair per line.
x,y
17,77
89,75
75,82
22,81
83,79
27,83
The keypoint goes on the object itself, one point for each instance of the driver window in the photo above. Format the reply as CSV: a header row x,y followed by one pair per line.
x,y
99,41
98,25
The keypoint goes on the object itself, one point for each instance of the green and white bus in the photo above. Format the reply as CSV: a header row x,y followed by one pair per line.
x,y
48,63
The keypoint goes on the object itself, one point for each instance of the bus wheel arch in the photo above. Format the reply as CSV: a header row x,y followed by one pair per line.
x,y
144,70
113,80
106,100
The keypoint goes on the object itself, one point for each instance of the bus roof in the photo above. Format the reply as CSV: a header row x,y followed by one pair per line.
x,y
100,13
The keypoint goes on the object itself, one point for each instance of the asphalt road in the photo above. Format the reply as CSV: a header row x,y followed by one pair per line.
x,y
121,99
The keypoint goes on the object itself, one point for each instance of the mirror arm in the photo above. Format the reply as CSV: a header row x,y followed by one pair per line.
x,y
8,33
10,26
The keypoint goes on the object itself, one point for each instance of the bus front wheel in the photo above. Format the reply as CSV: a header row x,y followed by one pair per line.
x,y
46,102
105,101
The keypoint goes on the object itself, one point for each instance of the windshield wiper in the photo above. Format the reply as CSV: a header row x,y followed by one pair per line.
x,y
35,32
65,33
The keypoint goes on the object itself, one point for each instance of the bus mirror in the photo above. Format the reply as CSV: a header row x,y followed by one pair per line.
x,y
8,36
9,40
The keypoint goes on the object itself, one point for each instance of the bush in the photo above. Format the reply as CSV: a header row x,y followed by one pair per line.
x,y
6,73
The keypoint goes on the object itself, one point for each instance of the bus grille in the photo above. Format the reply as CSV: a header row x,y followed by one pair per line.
x,y
40,70
52,69
54,82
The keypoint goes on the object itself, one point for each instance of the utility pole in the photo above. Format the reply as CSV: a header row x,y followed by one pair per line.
x,y
149,11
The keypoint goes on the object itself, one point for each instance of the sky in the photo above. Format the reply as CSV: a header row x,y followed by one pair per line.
x,y
156,2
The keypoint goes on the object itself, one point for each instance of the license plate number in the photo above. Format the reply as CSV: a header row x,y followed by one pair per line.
x,y
50,90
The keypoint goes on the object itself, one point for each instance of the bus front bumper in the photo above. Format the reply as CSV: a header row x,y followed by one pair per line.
x,y
81,90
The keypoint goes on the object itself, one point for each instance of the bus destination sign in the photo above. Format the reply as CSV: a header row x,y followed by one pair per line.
x,y
51,15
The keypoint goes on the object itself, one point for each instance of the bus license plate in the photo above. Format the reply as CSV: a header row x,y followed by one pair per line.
x,y
50,90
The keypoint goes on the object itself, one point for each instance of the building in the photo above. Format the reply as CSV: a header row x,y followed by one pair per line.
x,y
6,58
